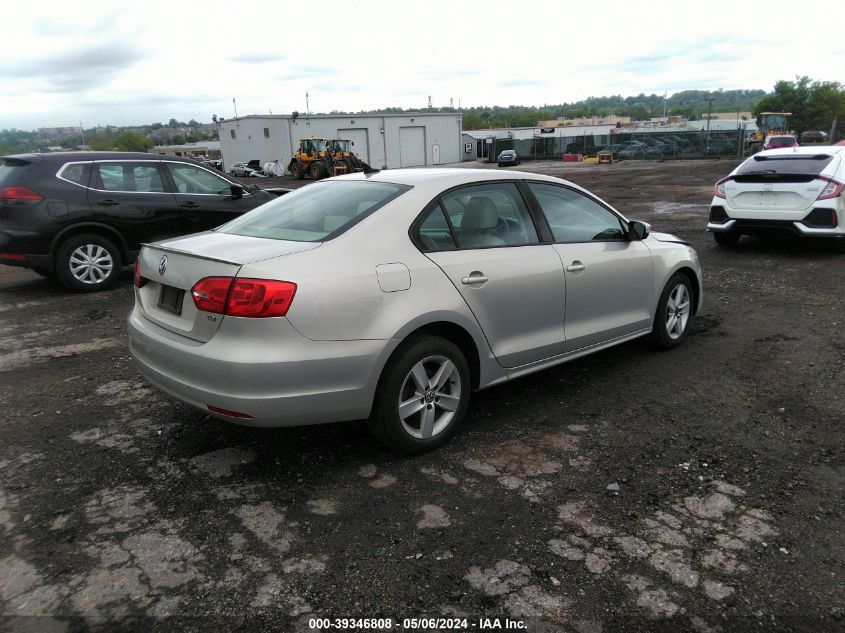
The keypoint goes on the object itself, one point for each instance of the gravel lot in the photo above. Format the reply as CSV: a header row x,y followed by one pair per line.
x,y
122,510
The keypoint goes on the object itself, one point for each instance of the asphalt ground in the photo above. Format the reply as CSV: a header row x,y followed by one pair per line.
x,y
122,510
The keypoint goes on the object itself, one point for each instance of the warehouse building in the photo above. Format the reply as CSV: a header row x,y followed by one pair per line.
x,y
380,140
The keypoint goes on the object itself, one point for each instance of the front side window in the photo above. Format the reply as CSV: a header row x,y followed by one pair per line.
x,y
128,176
320,211
573,217
491,214
191,179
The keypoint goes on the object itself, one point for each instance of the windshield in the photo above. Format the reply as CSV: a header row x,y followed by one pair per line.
x,y
315,212
314,144
340,146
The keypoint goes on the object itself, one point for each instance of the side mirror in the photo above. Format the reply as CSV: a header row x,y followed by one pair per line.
x,y
237,192
638,230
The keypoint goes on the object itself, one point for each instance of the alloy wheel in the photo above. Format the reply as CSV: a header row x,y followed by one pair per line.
x,y
90,264
429,397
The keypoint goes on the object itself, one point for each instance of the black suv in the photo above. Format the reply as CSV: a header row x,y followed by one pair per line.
x,y
80,216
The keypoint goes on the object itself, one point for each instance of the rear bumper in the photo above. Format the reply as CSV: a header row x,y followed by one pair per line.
x,y
803,223
753,227
262,368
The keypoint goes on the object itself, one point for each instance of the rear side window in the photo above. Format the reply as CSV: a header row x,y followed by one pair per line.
x,y
11,170
76,173
491,214
315,213
129,177
792,165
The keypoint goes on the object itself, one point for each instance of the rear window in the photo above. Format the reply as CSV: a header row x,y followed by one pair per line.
x,y
809,165
316,212
11,170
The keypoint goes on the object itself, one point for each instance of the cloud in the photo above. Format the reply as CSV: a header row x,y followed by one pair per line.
x,y
308,72
57,28
257,58
75,71
452,73
520,83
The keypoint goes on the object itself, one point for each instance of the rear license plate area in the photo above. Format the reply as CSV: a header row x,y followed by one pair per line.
x,y
170,299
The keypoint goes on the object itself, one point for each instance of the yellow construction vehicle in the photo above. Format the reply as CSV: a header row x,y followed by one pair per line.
x,y
768,124
319,158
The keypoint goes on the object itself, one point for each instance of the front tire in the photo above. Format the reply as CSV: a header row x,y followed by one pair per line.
x,y
88,263
674,311
422,396
318,170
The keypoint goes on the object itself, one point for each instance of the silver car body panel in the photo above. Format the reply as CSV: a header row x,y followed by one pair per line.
x,y
362,293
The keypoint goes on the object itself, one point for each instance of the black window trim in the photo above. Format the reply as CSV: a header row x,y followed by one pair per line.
x,y
623,221
414,229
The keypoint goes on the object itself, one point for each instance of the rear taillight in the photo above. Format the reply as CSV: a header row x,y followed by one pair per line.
x,y
210,294
19,194
137,278
832,189
235,296
720,187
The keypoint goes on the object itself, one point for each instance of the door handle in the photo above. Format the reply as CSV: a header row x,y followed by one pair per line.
x,y
108,202
474,278
576,267
189,205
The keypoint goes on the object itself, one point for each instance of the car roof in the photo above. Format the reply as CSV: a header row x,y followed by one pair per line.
x,y
444,178
79,156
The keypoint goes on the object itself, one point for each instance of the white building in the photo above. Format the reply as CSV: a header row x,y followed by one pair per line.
x,y
380,140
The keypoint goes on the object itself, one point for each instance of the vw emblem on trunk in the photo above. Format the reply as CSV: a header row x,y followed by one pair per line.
x,y
162,265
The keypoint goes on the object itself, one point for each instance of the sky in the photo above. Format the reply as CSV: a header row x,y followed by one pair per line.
x,y
122,63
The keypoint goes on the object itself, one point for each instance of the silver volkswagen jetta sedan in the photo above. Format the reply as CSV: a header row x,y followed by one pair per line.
x,y
391,295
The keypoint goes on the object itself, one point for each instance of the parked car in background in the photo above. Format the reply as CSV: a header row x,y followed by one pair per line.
x,y
508,157
391,295
80,216
796,189
813,136
245,171
776,142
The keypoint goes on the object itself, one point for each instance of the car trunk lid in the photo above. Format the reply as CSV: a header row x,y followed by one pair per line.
x,y
171,268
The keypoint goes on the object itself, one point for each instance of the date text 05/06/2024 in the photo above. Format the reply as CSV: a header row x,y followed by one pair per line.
x,y
415,624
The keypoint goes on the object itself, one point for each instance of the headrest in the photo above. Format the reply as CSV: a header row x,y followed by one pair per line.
x,y
480,213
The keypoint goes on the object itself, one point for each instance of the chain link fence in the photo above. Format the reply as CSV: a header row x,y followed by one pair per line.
x,y
630,146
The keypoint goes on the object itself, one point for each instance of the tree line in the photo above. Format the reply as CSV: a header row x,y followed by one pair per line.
x,y
815,105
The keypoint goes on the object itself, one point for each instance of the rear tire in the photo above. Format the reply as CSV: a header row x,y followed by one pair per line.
x,y
674,310
427,381
726,239
88,263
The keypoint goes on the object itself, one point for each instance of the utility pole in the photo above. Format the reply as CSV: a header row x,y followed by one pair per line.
x,y
307,105
82,131
709,108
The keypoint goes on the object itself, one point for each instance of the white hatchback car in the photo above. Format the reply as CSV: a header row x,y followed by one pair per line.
x,y
392,295
799,189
